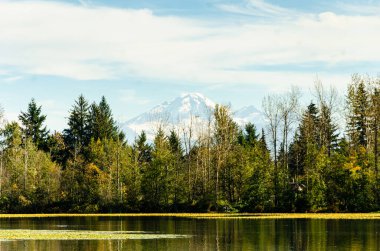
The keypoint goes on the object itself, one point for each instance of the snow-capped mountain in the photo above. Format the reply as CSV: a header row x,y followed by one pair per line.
x,y
189,109
249,114
186,109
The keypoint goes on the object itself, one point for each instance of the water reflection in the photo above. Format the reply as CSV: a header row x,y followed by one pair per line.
x,y
216,234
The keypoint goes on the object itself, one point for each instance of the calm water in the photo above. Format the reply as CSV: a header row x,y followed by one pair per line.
x,y
243,234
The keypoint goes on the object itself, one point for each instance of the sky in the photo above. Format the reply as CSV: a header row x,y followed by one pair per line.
x,y
139,53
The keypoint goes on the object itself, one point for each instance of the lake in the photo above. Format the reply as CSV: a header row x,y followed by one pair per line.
x,y
181,233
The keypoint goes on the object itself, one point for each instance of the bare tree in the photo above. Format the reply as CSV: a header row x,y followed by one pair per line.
x,y
328,107
272,114
188,138
288,105
326,97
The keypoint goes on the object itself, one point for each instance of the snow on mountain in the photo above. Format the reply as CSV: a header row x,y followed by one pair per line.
x,y
189,109
249,114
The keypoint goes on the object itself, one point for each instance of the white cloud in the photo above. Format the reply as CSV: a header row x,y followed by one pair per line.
x,y
50,38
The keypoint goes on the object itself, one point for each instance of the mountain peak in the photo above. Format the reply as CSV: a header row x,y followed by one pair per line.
x,y
170,114
196,98
193,95
183,110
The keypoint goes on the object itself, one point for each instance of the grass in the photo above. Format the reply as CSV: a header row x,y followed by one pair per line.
x,y
27,234
352,216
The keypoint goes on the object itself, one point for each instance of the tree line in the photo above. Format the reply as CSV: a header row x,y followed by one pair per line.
x,y
302,162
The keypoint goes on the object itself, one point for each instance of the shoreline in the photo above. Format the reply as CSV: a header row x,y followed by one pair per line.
x,y
343,216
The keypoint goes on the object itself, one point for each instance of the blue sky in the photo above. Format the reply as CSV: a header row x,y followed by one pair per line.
x,y
139,53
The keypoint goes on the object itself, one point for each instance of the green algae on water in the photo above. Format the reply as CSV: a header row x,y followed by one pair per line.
x,y
28,234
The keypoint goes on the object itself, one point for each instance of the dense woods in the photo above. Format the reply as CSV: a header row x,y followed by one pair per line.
x,y
304,160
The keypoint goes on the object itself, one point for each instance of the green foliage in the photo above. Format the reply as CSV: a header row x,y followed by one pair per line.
x,y
78,135
57,148
102,125
357,103
32,121
90,168
158,176
29,179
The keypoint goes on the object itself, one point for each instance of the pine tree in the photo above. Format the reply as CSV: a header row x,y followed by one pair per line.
x,y
255,177
374,124
178,169
305,139
175,143
157,179
102,124
142,150
328,130
141,156
32,121
303,162
77,136
57,148
250,134
361,113
357,104
263,141
296,157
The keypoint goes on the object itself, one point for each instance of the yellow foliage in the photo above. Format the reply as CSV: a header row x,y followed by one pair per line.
x,y
63,194
93,170
355,168
24,201
14,187
352,166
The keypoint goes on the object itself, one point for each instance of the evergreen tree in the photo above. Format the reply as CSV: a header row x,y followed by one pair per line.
x,y
157,179
361,106
255,176
175,143
57,148
142,150
263,141
33,128
102,124
176,149
250,134
328,130
306,162
357,104
295,160
77,136
374,125
306,140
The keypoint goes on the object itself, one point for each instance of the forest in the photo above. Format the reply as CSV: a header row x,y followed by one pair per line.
x,y
306,159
